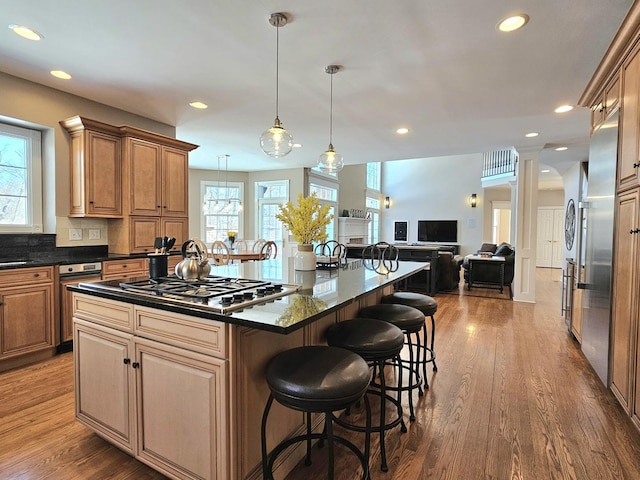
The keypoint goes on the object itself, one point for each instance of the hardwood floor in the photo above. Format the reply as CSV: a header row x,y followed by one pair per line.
x,y
513,398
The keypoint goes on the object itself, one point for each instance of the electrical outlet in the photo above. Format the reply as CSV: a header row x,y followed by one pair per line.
x,y
75,234
94,234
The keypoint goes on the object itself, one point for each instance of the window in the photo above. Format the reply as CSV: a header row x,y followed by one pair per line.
x,y
372,200
327,195
373,176
373,208
221,210
270,196
20,179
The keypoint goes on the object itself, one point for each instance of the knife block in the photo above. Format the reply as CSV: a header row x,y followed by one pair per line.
x,y
158,265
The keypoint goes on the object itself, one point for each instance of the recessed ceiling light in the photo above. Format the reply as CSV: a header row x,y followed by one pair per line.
x,y
513,22
532,134
61,74
561,149
563,109
199,105
297,145
402,131
26,32
546,170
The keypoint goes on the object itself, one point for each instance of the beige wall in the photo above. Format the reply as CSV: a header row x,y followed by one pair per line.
x,y
28,104
353,185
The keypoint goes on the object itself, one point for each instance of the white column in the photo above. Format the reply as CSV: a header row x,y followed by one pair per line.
x,y
524,200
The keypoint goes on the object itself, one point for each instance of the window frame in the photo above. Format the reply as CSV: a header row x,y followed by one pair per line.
x,y
33,137
204,184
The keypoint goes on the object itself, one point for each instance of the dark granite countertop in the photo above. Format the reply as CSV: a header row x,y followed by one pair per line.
x,y
67,260
322,291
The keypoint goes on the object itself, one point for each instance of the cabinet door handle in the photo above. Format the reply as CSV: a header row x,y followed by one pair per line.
x,y
636,165
135,364
36,275
127,361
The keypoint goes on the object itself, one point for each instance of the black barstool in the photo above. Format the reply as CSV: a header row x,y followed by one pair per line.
x,y
410,321
317,379
377,342
428,306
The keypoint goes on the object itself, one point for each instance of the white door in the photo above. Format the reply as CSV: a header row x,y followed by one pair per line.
x,y
550,234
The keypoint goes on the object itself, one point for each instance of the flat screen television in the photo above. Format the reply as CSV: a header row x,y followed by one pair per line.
x,y
438,231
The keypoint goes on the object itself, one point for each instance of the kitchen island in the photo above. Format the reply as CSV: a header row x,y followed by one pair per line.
x,y
181,387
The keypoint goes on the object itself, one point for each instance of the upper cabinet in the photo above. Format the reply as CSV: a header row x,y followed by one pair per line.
x,y
629,161
96,168
158,177
138,177
607,103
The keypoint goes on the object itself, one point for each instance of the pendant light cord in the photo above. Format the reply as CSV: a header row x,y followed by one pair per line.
x,y
277,67
331,111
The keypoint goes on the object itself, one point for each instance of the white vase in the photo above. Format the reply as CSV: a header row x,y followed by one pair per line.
x,y
305,258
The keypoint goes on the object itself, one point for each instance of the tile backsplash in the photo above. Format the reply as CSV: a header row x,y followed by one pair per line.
x,y
42,246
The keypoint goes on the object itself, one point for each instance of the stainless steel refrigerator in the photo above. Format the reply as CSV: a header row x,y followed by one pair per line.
x,y
598,253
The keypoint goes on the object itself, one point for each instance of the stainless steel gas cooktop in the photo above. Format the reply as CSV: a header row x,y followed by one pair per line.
x,y
221,294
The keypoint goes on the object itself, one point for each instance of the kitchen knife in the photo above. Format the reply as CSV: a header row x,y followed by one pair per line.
x,y
170,243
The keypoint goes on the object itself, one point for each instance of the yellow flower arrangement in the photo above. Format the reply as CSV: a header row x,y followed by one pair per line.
x,y
308,221
232,235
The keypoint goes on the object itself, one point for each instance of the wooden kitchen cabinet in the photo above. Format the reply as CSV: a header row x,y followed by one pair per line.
x,y
164,404
96,168
125,269
629,134
27,329
624,324
608,102
156,179
105,382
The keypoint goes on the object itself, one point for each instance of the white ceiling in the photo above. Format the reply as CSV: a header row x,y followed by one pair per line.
x,y
438,67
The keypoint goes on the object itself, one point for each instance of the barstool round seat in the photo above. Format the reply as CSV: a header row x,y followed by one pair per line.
x,y
370,338
406,318
426,304
318,378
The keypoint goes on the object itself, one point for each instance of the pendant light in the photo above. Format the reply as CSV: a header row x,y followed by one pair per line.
x,y
276,141
330,161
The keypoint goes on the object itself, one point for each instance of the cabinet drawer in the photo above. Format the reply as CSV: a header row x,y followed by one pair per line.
x,y
199,335
109,313
24,276
121,268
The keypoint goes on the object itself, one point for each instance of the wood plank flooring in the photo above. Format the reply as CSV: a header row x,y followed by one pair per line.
x,y
513,398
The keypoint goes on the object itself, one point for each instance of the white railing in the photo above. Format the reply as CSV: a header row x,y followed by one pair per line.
x,y
500,162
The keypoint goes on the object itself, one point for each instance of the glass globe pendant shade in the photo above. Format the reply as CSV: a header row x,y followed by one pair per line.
x,y
276,141
330,161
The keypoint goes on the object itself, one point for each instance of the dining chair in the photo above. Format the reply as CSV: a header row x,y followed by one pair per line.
x,y
241,246
220,253
257,245
269,250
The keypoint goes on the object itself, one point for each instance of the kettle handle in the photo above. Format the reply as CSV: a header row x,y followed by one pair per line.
x,y
184,248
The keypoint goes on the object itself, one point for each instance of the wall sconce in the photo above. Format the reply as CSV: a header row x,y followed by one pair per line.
x,y
473,201
387,202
